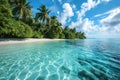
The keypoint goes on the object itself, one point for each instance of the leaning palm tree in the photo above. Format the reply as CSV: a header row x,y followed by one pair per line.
x,y
43,14
22,10
53,21
56,25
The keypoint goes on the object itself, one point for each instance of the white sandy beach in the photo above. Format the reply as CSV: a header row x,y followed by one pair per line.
x,y
27,40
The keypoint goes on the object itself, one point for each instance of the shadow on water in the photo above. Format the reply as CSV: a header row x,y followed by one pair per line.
x,y
75,42
65,69
65,60
91,72
84,75
98,69
99,62
41,78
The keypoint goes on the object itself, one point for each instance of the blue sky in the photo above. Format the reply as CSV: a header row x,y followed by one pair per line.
x,y
97,18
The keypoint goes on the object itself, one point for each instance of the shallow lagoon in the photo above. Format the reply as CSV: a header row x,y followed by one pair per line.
x,y
89,59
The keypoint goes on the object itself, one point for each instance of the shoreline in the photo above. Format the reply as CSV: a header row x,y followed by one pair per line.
x,y
26,40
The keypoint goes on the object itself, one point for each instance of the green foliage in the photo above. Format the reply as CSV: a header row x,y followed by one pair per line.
x,y
55,29
5,9
11,28
43,14
62,36
68,33
80,35
72,34
3,2
16,21
37,35
22,10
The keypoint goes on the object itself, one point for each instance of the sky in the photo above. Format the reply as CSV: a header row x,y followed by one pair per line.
x,y
96,18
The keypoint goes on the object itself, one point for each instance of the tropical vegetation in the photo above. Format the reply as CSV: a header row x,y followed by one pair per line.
x,y
17,21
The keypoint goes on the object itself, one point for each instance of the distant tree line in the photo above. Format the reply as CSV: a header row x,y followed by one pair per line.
x,y
17,21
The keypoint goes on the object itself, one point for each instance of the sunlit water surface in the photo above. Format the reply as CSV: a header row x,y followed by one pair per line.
x,y
89,59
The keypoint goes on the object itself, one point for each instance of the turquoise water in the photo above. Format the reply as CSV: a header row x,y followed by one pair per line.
x,y
89,59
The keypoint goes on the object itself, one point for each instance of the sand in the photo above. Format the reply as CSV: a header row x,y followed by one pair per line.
x,y
27,40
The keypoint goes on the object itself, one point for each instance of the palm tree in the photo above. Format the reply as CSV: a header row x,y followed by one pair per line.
x,y
55,28
42,18
59,28
22,10
43,14
66,29
13,2
53,21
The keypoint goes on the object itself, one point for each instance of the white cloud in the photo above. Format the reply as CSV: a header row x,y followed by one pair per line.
x,y
84,8
74,6
58,12
88,26
106,0
87,6
52,0
66,14
97,31
60,1
110,23
113,18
